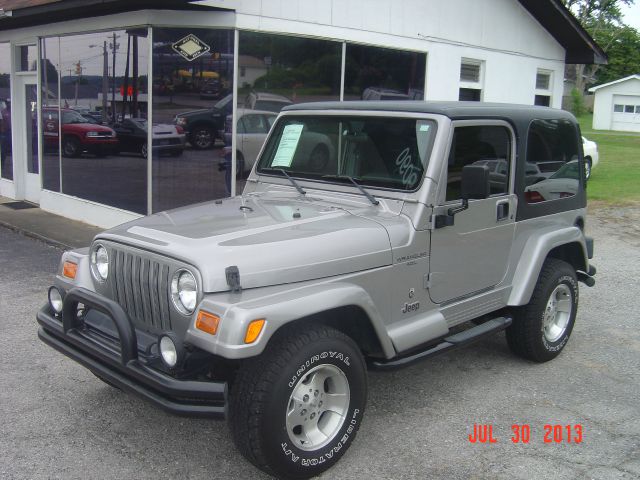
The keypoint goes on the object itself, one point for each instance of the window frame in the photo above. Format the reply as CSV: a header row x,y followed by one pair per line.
x,y
444,164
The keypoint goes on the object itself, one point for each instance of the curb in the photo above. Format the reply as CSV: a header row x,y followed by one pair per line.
x,y
36,236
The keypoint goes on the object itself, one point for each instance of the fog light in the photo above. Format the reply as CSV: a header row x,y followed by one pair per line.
x,y
168,351
55,300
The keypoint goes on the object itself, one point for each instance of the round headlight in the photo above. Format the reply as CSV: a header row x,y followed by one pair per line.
x,y
168,351
184,291
55,300
100,263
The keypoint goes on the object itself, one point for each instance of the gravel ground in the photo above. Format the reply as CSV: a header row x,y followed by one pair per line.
x,y
59,421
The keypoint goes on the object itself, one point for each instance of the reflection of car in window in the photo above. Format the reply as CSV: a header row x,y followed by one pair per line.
x,y
203,127
132,136
563,183
78,134
252,129
266,101
379,93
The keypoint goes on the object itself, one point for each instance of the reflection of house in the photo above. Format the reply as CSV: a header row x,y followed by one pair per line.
x,y
617,105
250,69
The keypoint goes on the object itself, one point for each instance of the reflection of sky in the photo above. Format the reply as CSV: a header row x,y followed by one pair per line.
x,y
77,48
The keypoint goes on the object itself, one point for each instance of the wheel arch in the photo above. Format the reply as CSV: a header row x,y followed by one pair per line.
x,y
343,306
567,244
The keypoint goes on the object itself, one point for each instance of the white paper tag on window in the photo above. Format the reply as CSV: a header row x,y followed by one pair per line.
x,y
288,145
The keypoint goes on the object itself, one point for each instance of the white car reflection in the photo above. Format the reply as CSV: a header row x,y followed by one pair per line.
x,y
564,183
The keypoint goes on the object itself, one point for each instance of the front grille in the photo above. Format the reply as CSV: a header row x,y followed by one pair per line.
x,y
141,286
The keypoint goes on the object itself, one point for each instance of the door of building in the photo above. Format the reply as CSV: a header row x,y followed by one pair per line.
x,y
25,136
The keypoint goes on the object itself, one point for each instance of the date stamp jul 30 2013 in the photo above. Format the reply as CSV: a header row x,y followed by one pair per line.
x,y
522,433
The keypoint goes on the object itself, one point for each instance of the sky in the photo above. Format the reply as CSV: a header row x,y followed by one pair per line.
x,y
632,15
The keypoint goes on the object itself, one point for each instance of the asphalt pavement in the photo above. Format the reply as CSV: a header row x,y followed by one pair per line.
x,y
59,421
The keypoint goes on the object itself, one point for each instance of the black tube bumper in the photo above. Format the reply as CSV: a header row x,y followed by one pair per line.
x,y
123,367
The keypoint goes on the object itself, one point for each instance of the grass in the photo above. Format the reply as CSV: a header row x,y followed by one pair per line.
x,y
616,179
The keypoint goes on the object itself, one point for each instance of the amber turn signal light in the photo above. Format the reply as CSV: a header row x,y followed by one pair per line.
x,y
207,322
253,330
69,269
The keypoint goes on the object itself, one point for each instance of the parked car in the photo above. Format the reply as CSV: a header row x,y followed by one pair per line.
x,y
563,183
252,129
211,89
379,93
591,157
78,135
132,136
266,101
203,127
269,307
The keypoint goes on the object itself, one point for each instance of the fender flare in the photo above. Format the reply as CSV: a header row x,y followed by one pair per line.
x,y
279,310
533,255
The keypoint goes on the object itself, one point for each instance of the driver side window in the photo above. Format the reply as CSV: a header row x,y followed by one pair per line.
x,y
487,145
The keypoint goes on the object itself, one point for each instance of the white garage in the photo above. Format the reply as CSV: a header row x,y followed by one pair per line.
x,y
617,105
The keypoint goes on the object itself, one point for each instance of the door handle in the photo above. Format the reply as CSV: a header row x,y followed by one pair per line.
x,y
502,210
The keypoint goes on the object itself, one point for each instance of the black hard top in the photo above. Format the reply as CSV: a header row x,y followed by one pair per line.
x,y
453,110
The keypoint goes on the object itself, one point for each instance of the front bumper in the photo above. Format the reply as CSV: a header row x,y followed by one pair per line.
x,y
123,365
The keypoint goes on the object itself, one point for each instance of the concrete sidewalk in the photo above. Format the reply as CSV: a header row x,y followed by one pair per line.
x,y
52,229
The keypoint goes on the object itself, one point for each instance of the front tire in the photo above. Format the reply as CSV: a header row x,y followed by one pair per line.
x,y
295,409
71,147
202,138
541,329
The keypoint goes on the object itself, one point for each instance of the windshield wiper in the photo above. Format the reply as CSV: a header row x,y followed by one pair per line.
x,y
370,197
289,177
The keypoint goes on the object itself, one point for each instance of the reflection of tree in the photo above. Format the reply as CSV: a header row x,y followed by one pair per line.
x,y
52,72
382,67
295,62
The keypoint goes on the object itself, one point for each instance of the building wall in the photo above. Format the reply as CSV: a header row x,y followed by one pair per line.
x,y
603,115
512,45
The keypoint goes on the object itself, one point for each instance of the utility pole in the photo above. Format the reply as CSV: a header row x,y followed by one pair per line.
x,y
105,81
114,48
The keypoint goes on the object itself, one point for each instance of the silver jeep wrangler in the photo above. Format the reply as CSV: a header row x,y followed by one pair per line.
x,y
369,234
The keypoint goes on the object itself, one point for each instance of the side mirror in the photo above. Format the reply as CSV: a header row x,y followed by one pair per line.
x,y
475,182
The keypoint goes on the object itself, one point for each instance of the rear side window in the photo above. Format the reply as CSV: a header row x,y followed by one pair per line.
x,y
552,168
487,145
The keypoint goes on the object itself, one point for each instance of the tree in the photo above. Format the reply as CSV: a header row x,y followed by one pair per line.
x,y
602,19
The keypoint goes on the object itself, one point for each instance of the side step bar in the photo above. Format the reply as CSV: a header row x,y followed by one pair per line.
x,y
448,343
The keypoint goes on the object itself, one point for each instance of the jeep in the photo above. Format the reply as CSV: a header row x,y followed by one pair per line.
x,y
368,235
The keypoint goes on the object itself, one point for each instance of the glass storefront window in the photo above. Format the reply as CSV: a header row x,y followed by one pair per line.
x,y
27,58
6,159
92,85
50,81
374,73
275,71
192,97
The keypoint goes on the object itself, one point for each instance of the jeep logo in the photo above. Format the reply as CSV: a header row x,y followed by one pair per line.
x,y
410,307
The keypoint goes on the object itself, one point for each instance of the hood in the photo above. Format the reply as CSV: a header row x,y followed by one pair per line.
x,y
272,239
192,113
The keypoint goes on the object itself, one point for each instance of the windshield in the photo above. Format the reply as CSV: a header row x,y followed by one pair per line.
x,y
73,117
382,152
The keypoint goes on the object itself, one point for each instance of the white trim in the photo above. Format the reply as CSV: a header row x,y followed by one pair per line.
x,y
620,80
86,211
234,114
7,188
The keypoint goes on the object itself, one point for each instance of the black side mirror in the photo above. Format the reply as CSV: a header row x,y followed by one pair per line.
x,y
475,182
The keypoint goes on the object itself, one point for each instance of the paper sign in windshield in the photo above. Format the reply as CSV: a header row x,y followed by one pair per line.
x,y
288,144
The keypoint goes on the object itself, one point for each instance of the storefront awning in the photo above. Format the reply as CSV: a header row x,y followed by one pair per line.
x,y
29,13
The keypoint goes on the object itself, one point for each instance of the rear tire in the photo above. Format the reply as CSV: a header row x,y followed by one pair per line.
x,y
588,164
541,329
295,409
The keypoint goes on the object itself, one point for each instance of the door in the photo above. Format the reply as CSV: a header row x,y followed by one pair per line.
x,y
471,255
255,128
26,138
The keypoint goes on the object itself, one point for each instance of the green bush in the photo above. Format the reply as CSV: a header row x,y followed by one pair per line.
x,y
577,103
